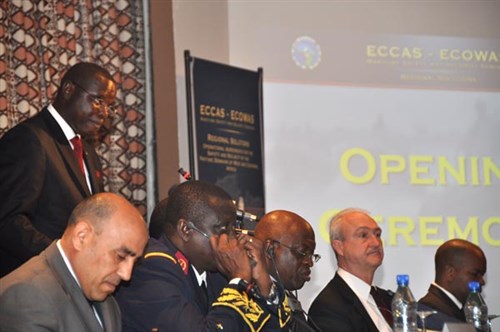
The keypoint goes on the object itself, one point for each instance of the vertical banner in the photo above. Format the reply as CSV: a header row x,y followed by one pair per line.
x,y
225,128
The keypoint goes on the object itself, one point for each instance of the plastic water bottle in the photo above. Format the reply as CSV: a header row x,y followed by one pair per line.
x,y
404,306
476,311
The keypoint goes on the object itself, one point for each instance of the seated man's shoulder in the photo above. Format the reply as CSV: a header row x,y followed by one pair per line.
x,y
330,298
159,253
34,273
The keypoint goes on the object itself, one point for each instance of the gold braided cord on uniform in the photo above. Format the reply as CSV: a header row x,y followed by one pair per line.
x,y
284,313
249,310
160,254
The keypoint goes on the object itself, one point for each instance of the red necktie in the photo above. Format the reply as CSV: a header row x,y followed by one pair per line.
x,y
78,151
383,306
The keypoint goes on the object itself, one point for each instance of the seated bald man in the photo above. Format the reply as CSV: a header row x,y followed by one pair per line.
x,y
289,245
456,262
68,286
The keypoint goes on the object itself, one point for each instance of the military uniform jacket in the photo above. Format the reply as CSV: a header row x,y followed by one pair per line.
x,y
163,293
297,322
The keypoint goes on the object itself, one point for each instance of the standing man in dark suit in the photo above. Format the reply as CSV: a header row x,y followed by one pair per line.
x,y
41,177
457,262
289,245
68,286
350,302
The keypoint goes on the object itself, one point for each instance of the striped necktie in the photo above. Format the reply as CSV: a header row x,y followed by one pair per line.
x,y
78,151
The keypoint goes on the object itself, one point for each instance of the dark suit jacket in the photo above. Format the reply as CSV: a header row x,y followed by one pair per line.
x,y
41,183
43,295
436,299
163,293
337,308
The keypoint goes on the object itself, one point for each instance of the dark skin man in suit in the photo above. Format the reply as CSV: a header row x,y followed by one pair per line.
x,y
457,262
42,179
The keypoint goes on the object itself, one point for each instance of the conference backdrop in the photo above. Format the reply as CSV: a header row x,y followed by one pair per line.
x,y
387,108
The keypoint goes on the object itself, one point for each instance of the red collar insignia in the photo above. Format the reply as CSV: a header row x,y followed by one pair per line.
x,y
183,262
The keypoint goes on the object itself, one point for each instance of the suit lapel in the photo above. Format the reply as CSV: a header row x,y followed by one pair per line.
x,y
71,288
351,297
66,153
456,312
107,314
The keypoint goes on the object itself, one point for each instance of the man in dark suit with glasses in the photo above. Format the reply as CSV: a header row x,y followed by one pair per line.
x,y
47,167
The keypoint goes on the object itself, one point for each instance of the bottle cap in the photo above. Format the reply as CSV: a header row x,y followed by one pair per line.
x,y
402,279
474,286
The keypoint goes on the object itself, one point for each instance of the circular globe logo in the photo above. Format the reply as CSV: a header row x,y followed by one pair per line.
x,y
306,53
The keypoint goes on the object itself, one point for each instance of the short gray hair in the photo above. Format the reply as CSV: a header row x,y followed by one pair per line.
x,y
336,222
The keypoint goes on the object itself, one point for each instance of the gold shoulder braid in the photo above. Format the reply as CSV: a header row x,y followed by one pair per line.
x,y
284,313
253,315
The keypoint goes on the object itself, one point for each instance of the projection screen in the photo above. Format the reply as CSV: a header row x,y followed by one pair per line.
x,y
390,106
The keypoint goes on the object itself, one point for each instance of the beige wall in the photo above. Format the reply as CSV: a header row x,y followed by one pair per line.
x,y
164,96
201,28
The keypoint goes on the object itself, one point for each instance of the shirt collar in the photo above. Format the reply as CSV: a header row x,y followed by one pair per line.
x,y
65,127
358,286
200,277
451,296
67,262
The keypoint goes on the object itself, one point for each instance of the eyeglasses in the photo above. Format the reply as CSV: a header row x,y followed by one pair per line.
x,y
99,102
192,226
300,253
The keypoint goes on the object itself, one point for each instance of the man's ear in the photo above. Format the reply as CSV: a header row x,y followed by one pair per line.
x,y
183,230
81,234
338,247
68,88
269,249
449,272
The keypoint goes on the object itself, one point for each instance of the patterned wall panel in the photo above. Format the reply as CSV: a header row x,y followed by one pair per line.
x,y
39,40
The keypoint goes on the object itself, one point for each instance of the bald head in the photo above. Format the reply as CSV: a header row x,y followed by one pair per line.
x,y
84,72
457,263
289,243
105,236
455,252
98,210
276,224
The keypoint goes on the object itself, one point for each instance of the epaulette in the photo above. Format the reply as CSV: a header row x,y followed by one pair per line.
x,y
179,259
253,315
160,254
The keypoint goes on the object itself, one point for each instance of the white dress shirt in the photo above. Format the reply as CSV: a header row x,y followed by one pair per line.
x,y
451,296
69,133
70,268
362,291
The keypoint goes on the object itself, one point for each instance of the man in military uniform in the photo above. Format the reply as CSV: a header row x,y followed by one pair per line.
x,y
289,245
182,283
